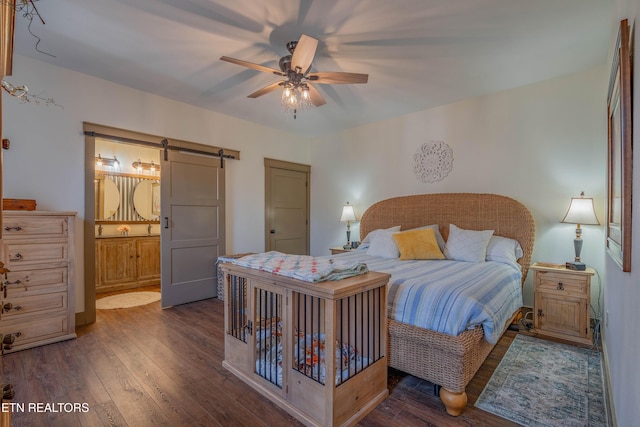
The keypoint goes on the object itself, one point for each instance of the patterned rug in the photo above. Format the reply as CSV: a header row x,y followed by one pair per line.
x,y
127,300
542,383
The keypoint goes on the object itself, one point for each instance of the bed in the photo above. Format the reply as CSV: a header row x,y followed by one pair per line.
x,y
444,359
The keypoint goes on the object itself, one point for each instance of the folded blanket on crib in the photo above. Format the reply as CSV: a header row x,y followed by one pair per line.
x,y
302,267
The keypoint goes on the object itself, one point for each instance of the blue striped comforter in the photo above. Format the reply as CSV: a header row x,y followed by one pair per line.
x,y
448,296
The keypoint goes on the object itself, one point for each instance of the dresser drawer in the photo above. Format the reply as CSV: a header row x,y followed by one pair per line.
x,y
11,308
36,252
41,330
21,283
564,283
29,227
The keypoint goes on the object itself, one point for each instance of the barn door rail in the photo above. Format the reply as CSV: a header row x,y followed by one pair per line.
x,y
165,145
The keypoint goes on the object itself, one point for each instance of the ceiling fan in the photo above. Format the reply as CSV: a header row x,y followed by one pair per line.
x,y
298,92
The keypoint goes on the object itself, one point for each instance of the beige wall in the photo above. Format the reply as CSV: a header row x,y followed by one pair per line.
x,y
46,159
540,144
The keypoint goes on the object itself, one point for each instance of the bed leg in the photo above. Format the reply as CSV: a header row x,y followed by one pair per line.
x,y
454,403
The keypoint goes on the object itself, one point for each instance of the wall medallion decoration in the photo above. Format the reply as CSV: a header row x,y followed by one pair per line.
x,y
432,161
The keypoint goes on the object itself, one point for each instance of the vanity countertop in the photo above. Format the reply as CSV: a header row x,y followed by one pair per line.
x,y
114,236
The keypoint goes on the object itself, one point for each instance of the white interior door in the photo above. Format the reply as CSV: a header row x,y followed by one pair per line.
x,y
192,226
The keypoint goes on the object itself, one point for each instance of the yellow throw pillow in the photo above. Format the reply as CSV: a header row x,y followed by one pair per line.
x,y
418,244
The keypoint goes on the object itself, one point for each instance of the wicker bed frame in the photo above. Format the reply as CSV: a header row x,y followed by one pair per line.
x,y
445,360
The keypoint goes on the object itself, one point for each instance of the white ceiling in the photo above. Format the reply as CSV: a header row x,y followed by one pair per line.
x,y
418,53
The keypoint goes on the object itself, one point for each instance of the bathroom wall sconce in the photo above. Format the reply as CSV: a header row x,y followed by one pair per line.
x,y
106,161
141,166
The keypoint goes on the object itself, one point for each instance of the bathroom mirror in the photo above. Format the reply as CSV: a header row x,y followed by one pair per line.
x,y
107,197
146,199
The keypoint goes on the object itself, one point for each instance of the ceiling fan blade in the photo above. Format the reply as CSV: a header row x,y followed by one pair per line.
x,y
265,90
316,98
252,65
337,78
304,52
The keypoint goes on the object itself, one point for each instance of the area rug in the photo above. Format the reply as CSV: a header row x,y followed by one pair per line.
x,y
542,383
127,300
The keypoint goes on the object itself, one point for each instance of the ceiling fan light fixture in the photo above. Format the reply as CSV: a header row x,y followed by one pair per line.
x,y
297,94
305,98
289,99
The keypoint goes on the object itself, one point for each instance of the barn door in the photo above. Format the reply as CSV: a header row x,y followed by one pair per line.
x,y
192,226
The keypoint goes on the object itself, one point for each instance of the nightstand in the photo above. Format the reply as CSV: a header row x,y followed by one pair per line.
x,y
562,302
339,250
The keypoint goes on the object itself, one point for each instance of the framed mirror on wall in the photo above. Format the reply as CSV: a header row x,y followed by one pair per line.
x,y
126,198
107,197
620,160
146,199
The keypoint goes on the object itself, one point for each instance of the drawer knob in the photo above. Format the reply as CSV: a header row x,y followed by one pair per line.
x,y
8,306
8,394
17,228
16,282
7,342
560,286
17,257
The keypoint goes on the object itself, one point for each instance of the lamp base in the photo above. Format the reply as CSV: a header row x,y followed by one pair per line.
x,y
578,266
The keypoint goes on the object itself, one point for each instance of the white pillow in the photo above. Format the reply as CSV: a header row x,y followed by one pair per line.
x,y
436,231
383,245
369,237
504,250
467,245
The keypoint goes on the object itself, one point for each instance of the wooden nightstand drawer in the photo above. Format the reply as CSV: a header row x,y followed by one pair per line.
x,y
339,250
566,283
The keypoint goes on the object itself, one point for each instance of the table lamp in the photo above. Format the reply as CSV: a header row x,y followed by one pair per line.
x,y
347,216
581,211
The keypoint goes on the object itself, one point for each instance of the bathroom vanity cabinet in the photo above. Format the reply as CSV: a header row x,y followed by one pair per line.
x,y
127,262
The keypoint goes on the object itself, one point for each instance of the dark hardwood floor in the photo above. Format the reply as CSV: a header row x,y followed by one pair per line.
x,y
145,366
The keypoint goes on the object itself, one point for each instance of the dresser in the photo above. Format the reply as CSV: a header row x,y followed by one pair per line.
x,y
37,296
562,302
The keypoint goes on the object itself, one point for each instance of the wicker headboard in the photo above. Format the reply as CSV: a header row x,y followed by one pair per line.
x,y
506,216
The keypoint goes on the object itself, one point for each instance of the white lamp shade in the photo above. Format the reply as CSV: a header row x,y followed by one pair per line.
x,y
348,214
581,211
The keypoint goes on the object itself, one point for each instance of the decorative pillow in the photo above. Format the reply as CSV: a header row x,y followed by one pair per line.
x,y
467,245
436,230
383,245
504,250
418,244
369,237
